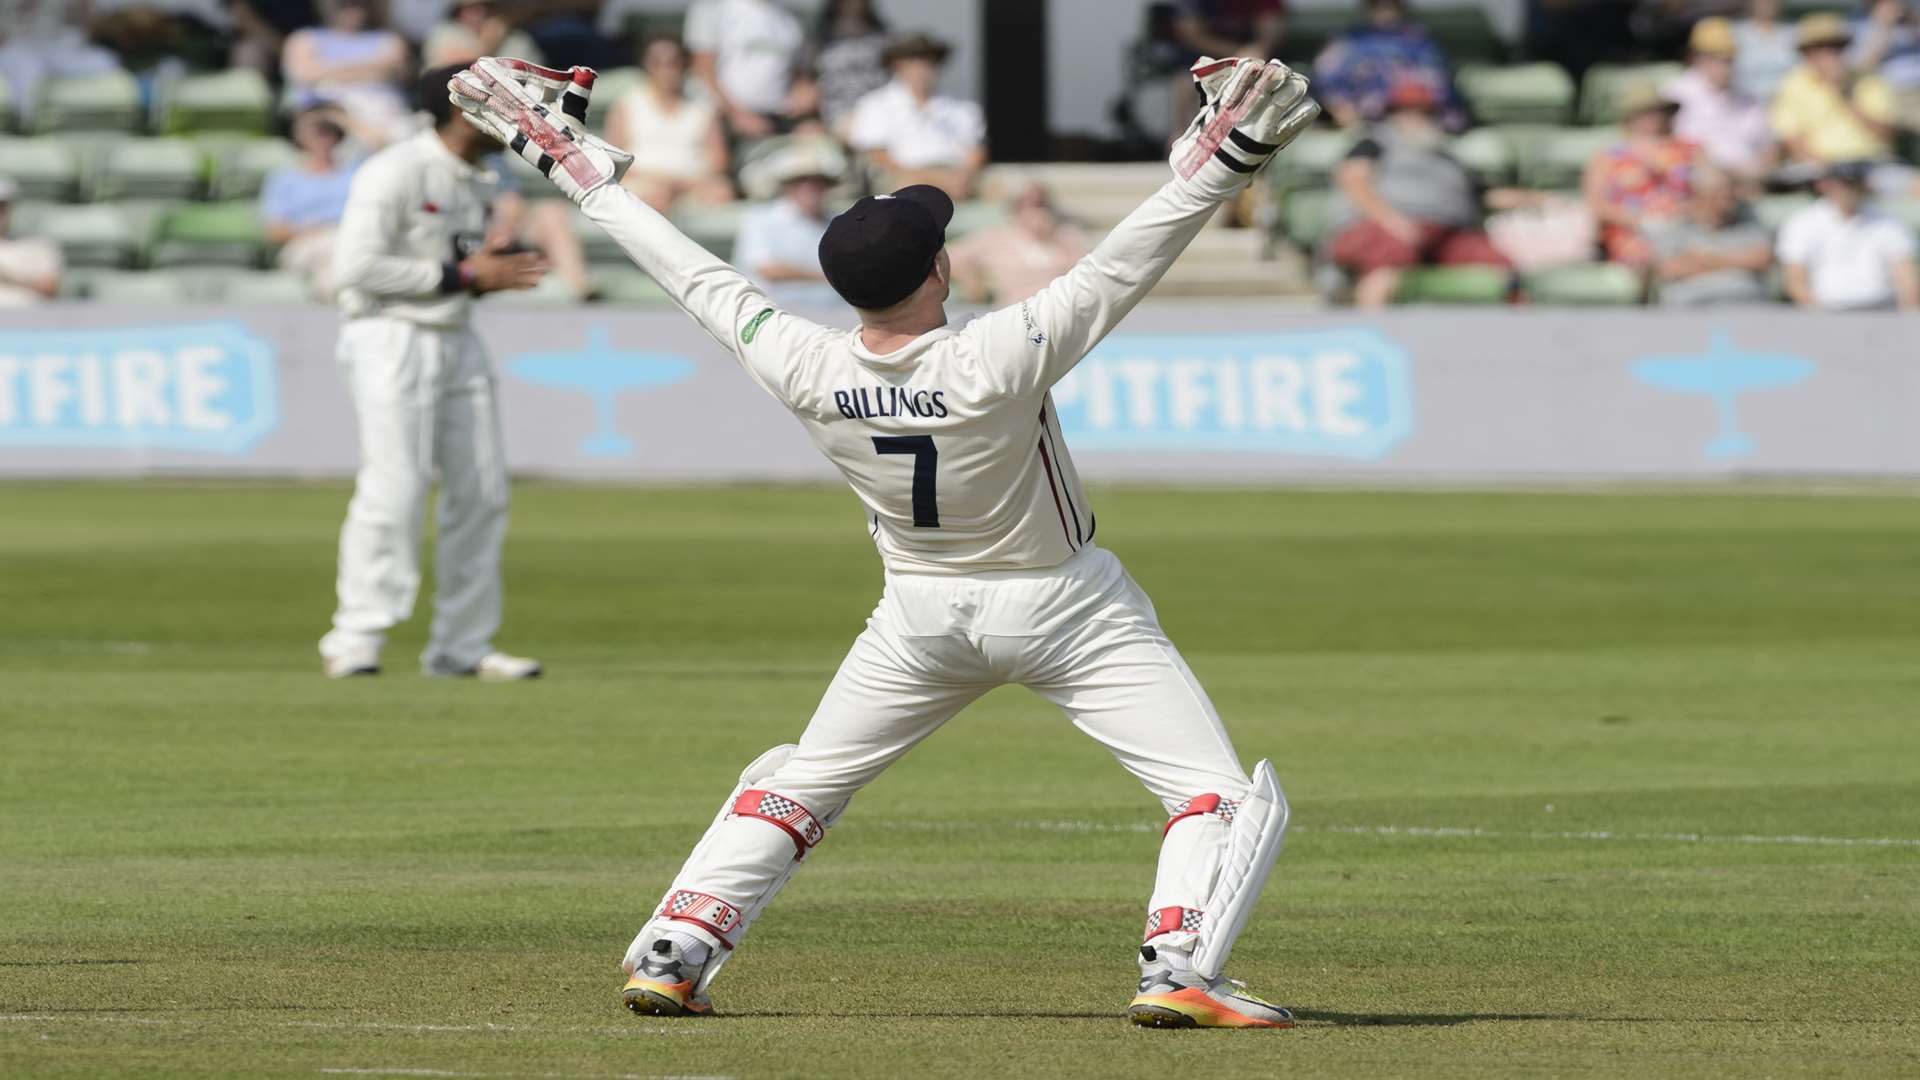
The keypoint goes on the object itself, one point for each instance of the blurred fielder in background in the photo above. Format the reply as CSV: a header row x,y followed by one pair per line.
x,y
410,258
950,439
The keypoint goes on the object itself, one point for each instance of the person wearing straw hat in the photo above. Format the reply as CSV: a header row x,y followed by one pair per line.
x,y
779,242
1730,126
29,269
1645,180
911,134
1826,112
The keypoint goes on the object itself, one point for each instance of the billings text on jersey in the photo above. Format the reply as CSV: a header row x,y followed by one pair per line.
x,y
867,403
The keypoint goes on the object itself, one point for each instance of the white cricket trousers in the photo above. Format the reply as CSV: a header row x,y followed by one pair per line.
x,y
425,400
1082,635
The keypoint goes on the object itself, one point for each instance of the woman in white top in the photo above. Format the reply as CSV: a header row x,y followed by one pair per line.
x,y
679,149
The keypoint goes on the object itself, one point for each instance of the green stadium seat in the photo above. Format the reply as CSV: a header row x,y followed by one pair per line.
x,y
1772,211
210,234
1454,285
714,227
242,167
140,288
104,237
238,100
250,289
1600,90
1310,28
1305,217
1585,285
109,102
1487,154
1310,161
44,168
974,215
1561,158
164,168
1463,30
629,286
1519,94
609,88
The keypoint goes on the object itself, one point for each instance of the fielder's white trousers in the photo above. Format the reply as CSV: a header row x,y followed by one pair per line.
x,y
425,401
1082,635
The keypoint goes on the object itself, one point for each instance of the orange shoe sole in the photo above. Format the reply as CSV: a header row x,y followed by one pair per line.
x,y
1190,1008
650,997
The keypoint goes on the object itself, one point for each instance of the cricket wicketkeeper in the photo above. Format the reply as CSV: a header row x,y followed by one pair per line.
x,y
949,438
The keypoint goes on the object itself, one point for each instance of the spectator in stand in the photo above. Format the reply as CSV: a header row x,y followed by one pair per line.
x,y
42,38
1765,49
1826,113
912,135
779,242
1887,41
29,269
1841,255
1217,28
1577,34
352,62
1403,200
301,205
1645,181
1730,127
1009,263
1357,71
260,29
749,53
1713,255
849,59
415,20
679,147
473,29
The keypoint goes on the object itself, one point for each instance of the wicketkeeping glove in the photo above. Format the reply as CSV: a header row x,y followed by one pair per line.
x,y
540,114
1254,108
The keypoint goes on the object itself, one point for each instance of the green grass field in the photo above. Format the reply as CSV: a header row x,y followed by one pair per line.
x,y
1584,784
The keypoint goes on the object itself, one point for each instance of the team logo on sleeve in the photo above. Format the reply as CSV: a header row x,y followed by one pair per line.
x,y
752,329
1034,334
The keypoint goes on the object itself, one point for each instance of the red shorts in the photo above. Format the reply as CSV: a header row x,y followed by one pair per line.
x,y
1366,246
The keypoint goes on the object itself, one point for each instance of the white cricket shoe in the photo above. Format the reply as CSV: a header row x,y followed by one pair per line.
x,y
664,982
351,663
493,667
1173,995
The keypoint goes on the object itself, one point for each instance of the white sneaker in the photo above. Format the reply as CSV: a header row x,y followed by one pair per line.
x,y
493,667
1173,995
353,662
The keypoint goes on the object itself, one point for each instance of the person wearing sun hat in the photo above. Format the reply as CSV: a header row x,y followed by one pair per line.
x,y
912,134
1645,180
1826,112
1730,126
778,244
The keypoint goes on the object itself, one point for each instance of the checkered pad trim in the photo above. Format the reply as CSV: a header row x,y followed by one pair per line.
x,y
1203,804
792,818
1174,920
708,912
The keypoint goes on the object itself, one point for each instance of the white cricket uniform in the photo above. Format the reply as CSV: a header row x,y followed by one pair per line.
x,y
423,392
992,573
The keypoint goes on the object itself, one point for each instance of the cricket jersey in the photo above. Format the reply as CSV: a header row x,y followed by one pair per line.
x,y
415,210
951,442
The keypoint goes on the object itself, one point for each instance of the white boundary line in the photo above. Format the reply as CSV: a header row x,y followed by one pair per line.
x,y
1438,832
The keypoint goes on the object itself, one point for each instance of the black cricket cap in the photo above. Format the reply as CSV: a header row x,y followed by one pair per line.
x,y
884,246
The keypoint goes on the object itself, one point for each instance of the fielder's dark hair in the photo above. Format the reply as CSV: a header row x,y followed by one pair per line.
x,y
431,95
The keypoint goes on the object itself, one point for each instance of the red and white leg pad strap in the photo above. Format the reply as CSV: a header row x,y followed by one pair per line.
x,y
1174,920
1224,808
789,816
710,913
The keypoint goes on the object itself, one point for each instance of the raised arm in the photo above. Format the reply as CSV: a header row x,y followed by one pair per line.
x,y
1254,109
507,99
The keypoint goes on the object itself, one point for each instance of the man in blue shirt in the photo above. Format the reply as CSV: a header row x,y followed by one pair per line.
x,y
299,206
779,242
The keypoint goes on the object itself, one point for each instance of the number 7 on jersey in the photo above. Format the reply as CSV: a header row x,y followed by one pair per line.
x,y
926,462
